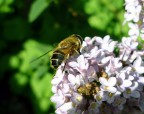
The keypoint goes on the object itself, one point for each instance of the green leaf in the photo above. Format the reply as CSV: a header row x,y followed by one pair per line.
x,y
5,6
44,104
14,62
41,87
92,7
37,8
99,21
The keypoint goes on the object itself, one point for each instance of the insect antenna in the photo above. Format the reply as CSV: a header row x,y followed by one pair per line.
x,y
40,56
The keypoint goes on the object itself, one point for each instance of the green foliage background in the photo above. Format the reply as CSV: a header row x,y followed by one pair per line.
x,y
30,28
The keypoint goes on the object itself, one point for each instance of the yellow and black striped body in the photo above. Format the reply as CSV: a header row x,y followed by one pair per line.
x,y
57,58
66,48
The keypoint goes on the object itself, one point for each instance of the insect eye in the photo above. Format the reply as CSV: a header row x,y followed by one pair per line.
x,y
79,37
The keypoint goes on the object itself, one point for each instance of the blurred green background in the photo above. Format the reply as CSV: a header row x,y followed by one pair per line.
x,y
30,28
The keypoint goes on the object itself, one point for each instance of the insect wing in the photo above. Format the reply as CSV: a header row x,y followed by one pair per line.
x,y
40,56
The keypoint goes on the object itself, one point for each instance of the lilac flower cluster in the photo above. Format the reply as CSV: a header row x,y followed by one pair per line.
x,y
134,15
107,77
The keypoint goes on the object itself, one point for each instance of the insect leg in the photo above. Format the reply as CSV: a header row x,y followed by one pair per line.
x,y
77,51
65,62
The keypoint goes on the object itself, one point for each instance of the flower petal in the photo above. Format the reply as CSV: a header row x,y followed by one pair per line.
x,y
73,64
122,76
99,40
112,89
135,86
103,81
81,62
141,80
72,79
140,70
111,46
64,108
130,77
137,62
127,83
106,59
106,38
112,81
135,94
126,95
56,81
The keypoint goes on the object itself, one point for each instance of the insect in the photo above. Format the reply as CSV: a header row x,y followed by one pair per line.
x,y
64,50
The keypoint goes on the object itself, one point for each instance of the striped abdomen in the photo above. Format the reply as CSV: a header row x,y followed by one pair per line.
x,y
57,58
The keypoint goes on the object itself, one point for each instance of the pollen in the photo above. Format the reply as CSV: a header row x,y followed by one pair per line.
x,y
99,98
93,105
128,91
88,90
110,94
79,98
106,88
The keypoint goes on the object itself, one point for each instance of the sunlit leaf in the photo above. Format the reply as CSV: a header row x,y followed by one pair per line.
x,y
44,104
14,62
41,86
37,8
5,6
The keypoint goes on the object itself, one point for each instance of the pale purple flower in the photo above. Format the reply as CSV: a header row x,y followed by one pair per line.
x,y
124,80
132,91
137,65
108,85
100,97
81,64
76,98
106,43
58,77
133,9
66,109
59,96
134,29
141,80
110,97
129,43
93,108
134,15
91,73
114,66
129,93
128,49
119,102
75,81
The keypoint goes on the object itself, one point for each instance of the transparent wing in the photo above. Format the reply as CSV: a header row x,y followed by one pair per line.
x,y
40,56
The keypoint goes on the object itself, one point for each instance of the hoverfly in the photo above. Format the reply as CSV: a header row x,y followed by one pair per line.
x,y
64,50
